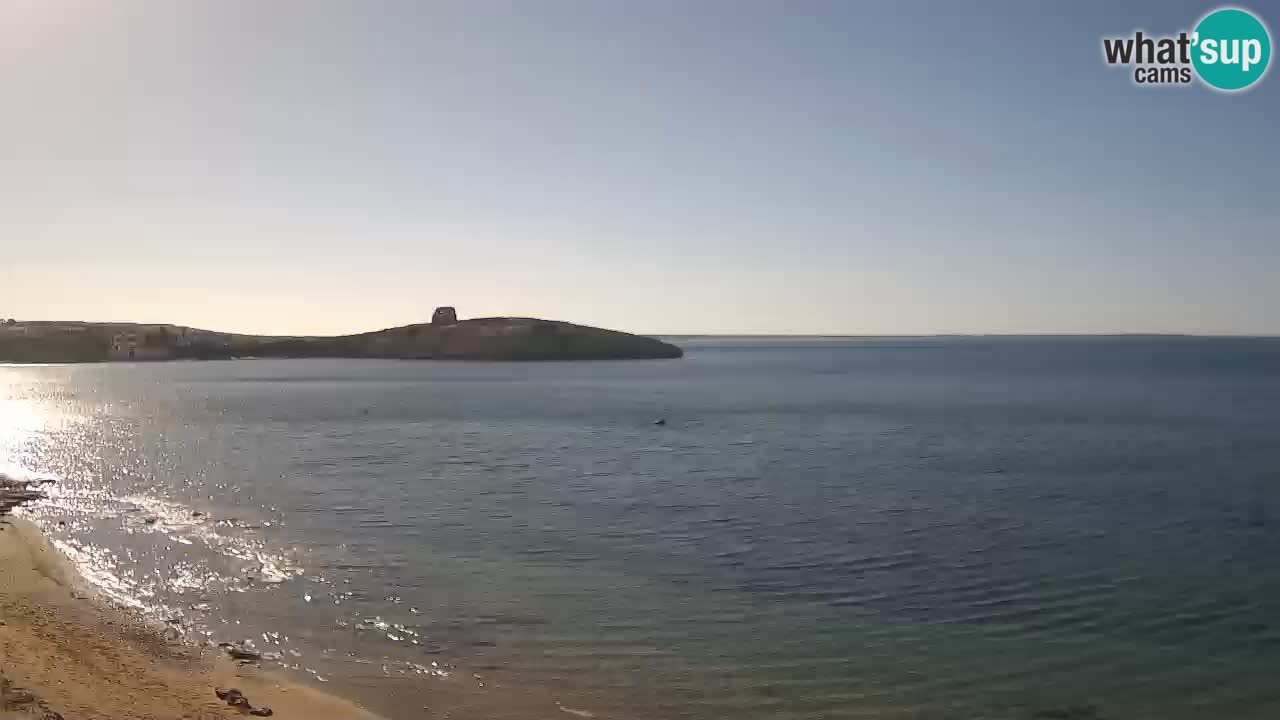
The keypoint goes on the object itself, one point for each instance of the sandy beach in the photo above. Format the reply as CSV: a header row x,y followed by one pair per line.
x,y
64,655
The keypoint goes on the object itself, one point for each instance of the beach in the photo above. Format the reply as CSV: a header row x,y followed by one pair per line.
x,y
67,653
63,652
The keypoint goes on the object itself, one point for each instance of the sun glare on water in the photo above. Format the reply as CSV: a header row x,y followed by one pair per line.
x,y
22,421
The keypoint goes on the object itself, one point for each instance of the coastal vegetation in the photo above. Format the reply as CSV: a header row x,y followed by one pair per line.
x,y
446,338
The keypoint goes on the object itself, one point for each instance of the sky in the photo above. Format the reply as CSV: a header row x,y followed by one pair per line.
x,y
675,167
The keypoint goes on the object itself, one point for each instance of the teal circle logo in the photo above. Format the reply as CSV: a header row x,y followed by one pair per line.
x,y
1231,49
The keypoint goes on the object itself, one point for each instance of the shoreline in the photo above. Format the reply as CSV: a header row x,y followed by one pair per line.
x,y
68,652
63,653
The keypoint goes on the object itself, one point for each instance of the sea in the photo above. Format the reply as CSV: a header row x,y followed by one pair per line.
x,y
948,528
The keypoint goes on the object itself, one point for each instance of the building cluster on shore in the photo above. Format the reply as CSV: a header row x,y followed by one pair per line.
x,y
165,343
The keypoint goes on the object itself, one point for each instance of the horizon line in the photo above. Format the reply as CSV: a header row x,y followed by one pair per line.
x,y
816,336
838,336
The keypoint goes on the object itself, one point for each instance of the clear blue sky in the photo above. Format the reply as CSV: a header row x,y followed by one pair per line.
x,y
665,167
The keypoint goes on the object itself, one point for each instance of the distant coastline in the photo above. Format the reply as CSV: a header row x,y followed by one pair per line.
x,y
674,337
444,338
993,336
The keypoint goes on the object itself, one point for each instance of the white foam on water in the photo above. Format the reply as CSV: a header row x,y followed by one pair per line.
x,y
142,570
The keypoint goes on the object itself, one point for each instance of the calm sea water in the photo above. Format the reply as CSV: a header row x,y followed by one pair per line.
x,y
889,528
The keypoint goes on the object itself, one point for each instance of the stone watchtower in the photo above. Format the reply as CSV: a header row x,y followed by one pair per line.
x,y
444,316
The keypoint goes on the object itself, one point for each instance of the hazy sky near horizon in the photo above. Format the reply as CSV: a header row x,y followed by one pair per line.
x,y
305,166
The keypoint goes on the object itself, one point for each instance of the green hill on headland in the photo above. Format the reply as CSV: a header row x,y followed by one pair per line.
x,y
445,338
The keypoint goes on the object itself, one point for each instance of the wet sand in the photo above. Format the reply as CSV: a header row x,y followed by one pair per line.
x,y
64,653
